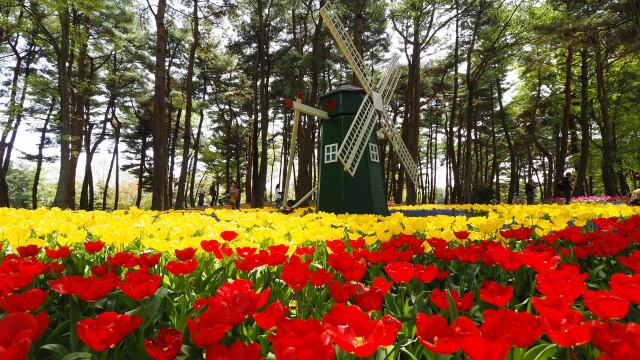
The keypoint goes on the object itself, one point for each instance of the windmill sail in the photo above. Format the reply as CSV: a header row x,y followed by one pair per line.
x,y
357,137
376,100
337,29
403,153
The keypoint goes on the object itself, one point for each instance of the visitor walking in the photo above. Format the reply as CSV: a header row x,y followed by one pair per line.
x,y
634,197
213,191
234,196
566,187
530,191
278,197
201,195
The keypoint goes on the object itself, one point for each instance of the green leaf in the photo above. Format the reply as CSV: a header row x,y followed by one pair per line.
x,y
78,356
57,349
541,352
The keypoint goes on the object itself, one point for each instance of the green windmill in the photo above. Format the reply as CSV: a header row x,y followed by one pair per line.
x,y
350,173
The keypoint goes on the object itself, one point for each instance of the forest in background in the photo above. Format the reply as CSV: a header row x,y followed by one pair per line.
x,y
179,94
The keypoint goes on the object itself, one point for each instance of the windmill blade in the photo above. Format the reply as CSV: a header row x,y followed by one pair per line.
x,y
401,150
348,49
392,83
355,142
385,85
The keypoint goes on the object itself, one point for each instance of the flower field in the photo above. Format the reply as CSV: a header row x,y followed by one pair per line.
x,y
516,282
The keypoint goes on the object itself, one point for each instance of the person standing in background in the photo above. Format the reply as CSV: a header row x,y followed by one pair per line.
x,y
201,195
234,196
530,191
567,187
278,197
213,191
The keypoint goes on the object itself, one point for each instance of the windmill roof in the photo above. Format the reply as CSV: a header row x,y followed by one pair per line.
x,y
342,89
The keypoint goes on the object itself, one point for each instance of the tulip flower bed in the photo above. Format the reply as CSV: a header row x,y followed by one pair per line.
x,y
571,293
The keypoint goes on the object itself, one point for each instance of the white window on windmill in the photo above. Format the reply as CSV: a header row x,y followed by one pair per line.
x,y
330,153
373,150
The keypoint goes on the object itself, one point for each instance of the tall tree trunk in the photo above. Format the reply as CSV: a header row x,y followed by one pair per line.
x,y
513,178
40,159
141,167
60,199
186,139
451,154
608,142
561,156
413,121
585,126
160,138
18,112
196,144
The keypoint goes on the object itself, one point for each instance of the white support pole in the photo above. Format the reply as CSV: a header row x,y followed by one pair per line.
x,y
292,152
304,198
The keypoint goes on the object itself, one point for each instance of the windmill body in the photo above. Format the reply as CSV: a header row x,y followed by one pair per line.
x,y
338,191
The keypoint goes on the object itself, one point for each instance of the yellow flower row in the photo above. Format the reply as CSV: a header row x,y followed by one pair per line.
x,y
174,229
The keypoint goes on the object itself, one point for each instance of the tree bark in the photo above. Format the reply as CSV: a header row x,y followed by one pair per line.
x,y
60,199
186,139
608,142
561,156
160,138
585,126
40,159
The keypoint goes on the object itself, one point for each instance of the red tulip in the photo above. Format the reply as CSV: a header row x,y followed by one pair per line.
x,y
495,293
89,288
348,266
123,259
106,330
93,247
271,316
400,272
55,267
302,339
295,273
551,304
479,347
138,285
148,260
321,277
59,253
435,334
567,328
461,235
11,282
567,282
209,328
606,305
626,286
17,332
308,250
632,261
228,235
382,284
185,254
519,329
519,234
101,270
370,300
182,268
166,345
617,341
238,350
357,244
240,300
29,250
441,300
354,332
426,274
26,301
342,293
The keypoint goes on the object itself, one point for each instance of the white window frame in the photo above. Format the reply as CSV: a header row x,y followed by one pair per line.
x,y
374,153
331,153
